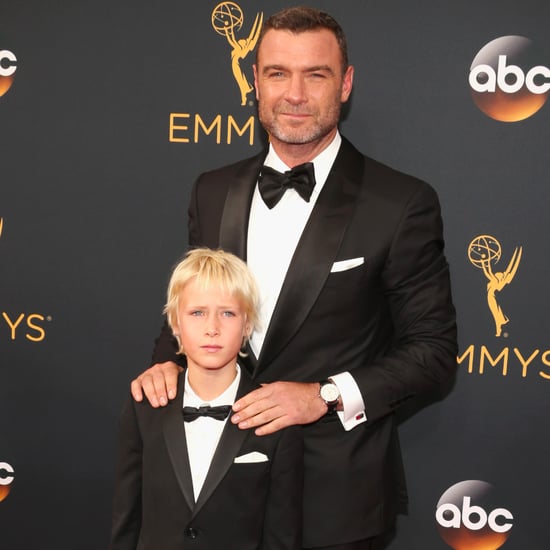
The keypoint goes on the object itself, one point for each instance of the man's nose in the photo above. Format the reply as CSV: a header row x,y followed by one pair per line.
x,y
296,92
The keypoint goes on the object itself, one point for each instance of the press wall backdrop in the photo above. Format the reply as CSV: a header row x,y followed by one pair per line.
x,y
109,111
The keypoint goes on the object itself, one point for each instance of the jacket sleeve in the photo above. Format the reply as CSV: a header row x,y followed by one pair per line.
x,y
126,524
421,358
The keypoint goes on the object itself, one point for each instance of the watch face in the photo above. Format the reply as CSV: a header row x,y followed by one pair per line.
x,y
330,393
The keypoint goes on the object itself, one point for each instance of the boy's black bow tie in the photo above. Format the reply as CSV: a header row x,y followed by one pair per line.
x,y
273,184
219,413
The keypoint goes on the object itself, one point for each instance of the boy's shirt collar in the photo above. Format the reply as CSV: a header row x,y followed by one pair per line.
x,y
227,397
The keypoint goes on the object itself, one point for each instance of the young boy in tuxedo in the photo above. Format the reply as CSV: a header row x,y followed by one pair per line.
x,y
185,479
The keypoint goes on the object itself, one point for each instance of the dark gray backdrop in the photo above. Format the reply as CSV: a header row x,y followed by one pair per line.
x,y
93,198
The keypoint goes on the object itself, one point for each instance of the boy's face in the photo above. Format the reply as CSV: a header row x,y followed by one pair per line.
x,y
211,326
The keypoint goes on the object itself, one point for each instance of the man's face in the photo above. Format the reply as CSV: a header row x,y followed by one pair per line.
x,y
300,85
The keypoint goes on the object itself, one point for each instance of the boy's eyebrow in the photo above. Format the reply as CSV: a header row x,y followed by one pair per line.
x,y
217,306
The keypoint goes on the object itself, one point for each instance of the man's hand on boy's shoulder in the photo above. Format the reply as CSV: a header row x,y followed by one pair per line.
x,y
278,405
159,384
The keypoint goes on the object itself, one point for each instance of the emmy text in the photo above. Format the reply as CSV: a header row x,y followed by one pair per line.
x,y
506,360
28,326
186,128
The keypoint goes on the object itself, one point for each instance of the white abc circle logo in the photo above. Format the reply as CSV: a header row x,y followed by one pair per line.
x,y
468,516
508,79
6,479
472,517
7,63
5,473
8,66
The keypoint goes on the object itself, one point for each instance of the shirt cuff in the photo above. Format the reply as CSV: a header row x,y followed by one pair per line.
x,y
352,401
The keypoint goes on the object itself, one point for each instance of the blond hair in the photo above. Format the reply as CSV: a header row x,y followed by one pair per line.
x,y
214,268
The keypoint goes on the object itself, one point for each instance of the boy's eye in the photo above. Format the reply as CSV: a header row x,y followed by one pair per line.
x,y
196,313
228,314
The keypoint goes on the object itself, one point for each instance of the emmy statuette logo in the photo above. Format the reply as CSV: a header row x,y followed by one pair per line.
x,y
484,252
227,20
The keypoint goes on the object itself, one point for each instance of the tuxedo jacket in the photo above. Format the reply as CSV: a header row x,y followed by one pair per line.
x,y
367,291
243,504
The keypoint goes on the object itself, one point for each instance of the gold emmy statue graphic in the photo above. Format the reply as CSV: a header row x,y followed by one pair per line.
x,y
484,252
227,18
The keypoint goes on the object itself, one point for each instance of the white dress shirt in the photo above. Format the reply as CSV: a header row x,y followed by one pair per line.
x,y
276,232
203,434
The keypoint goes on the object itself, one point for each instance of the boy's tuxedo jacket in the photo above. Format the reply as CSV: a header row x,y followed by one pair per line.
x,y
389,321
242,506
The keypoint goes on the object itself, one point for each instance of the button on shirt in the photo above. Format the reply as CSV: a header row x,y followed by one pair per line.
x,y
203,434
278,231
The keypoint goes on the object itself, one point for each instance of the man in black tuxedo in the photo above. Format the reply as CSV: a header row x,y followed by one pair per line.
x,y
357,309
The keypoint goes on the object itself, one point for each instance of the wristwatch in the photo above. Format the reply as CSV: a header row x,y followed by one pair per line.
x,y
330,394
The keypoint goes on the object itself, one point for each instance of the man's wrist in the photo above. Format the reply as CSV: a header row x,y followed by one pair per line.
x,y
330,395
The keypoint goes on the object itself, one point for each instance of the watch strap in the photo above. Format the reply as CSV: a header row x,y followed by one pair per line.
x,y
331,405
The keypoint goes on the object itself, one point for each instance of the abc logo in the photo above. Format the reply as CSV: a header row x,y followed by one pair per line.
x,y
8,66
6,479
468,517
509,79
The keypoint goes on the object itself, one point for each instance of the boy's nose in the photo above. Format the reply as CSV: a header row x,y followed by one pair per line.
x,y
212,327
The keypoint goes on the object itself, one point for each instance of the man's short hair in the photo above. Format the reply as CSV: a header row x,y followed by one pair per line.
x,y
300,19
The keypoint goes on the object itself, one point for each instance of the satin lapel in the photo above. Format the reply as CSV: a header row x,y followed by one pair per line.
x,y
316,251
234,222
230,442
174,435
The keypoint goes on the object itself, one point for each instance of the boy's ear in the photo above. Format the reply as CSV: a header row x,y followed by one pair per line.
x,y
247,329
178,340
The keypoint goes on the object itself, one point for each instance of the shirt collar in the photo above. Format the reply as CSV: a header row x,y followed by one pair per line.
x,y
322,162
227,397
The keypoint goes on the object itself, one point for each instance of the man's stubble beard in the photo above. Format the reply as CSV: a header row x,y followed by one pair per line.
x,y
314,131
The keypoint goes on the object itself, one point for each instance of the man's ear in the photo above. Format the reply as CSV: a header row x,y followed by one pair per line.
x,y
347,84
255,69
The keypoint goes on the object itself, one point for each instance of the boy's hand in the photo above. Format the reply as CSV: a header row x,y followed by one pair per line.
x,y
278,405
159,383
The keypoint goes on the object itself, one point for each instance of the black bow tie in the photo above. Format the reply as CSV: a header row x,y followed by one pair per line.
x,y
273,184
219,413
